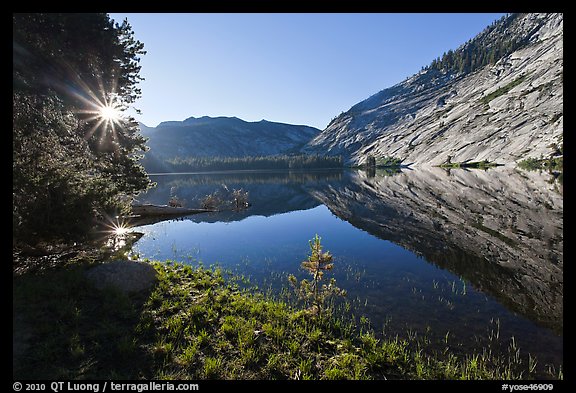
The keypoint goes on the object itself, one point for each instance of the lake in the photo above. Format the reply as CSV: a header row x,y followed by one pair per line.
x,y
460,255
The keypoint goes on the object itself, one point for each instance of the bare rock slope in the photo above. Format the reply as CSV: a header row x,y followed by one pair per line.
x,y
503,112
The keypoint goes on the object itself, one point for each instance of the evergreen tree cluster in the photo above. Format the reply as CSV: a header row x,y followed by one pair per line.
x,y
72,165
487,48
283,162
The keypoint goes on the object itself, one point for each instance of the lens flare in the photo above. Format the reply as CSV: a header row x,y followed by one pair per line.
x,y
101,112
120,230
110,113
117,233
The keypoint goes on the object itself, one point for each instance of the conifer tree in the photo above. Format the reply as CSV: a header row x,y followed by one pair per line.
x,y
75,151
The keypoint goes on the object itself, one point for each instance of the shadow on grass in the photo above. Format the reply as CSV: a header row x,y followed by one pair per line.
x,y
196,324
64,328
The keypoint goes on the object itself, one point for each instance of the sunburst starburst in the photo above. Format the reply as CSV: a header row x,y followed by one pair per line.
x,y
110,113
103,110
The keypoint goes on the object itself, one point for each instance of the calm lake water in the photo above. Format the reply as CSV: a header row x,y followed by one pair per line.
x,y
472,253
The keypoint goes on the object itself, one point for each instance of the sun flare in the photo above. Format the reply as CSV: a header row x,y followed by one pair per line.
x,y
109,113
120,230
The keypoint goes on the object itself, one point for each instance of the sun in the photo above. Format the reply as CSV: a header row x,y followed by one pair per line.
x,y
104,111
109,113
120,230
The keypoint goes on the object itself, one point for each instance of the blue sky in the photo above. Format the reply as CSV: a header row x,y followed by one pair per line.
x,y
290,68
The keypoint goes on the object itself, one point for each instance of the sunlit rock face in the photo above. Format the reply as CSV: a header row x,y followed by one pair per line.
x,y
434,115
501,229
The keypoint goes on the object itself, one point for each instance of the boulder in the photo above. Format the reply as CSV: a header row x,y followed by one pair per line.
x,y
127,276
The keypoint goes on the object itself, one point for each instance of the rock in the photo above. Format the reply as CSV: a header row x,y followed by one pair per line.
x,y
433,115
127,276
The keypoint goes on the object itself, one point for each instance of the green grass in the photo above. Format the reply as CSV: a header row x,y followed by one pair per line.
x,y
197,323
473,165
553,164
388,162
502,90
77,331
535,164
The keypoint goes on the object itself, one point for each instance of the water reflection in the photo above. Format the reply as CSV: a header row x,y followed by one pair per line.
x,y
269,193
500,229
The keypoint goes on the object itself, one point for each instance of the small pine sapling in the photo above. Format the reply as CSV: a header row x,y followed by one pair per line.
x,y
315,295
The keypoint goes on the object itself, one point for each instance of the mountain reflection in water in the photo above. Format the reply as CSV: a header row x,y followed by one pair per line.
x,y
500,230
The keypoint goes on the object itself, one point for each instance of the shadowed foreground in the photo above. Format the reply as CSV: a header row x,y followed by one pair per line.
x,y
197,324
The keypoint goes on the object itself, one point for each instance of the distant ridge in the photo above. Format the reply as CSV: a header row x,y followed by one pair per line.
x,y
224,137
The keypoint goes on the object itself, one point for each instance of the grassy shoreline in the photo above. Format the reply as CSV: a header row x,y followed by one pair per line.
x,y
198,324
472,165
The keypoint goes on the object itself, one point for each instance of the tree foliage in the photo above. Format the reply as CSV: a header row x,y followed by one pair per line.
x,y
315,294
70,164
487,48
371,161
189,164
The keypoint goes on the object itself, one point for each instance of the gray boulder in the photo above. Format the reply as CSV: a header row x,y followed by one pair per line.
x,y
127,276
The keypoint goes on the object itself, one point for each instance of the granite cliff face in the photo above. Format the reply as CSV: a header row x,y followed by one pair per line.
x,y
502,112
500,229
